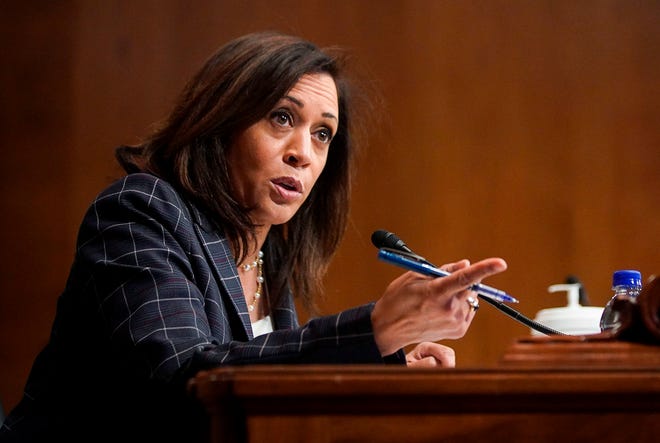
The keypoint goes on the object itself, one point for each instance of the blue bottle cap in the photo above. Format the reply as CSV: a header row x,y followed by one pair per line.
x,y
627,277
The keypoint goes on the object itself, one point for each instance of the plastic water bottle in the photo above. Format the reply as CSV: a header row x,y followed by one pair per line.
x,y
625,284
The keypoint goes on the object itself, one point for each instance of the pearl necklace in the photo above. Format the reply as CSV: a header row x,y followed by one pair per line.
x,y
259,264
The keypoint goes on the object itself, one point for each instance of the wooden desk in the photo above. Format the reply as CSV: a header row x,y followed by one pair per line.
x,y
586,352
368,404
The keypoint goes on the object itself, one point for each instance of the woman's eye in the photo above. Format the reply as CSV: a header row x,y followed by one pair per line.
x,y
281,118
324,135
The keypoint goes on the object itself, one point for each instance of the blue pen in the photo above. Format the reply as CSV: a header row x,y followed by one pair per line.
x,y
417,264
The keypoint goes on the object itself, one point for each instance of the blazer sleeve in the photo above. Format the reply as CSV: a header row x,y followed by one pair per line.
x,y
154,293
345,338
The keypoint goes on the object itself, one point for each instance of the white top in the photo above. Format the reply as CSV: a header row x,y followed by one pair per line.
x,y
262,326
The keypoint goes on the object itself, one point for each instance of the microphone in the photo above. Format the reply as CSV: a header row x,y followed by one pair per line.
x,y
389,240
385,239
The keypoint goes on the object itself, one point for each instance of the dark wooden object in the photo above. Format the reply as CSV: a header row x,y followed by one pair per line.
x,y
395,404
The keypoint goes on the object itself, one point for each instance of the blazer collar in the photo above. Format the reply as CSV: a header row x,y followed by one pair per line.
x,y
224,267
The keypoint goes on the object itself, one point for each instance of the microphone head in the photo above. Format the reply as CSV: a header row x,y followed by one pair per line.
x,y
385,239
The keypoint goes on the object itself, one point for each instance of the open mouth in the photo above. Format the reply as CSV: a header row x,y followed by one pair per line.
x,y
288,183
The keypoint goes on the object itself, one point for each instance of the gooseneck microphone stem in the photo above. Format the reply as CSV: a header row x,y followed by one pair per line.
x,y
386,239
521,318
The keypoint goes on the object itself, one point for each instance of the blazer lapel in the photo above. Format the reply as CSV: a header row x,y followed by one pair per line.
x,y
284,314
222,263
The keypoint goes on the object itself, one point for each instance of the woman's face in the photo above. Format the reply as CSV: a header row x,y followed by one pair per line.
x,y
274,163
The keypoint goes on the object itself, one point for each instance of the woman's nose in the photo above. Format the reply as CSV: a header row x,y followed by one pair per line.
x,y
298,150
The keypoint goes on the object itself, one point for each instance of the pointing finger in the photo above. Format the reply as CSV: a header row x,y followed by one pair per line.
x,y
464,278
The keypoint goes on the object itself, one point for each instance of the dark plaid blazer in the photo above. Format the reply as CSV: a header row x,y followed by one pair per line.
x,y
153,296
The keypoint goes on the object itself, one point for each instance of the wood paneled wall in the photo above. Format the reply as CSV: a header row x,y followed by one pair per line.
x,y
526,130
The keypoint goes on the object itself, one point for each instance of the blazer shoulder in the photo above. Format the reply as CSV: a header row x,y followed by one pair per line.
x,y
141,188
140,193
138,184
150,194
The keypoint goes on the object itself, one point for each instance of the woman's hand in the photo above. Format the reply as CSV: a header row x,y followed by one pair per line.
x,y
431,355
417,308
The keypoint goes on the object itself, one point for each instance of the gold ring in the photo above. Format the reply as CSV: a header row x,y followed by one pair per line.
x,y
474,304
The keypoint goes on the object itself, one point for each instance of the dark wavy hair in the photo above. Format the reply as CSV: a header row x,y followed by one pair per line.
x,y
236,87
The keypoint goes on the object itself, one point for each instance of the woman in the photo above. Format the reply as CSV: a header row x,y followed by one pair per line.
x,y
190,261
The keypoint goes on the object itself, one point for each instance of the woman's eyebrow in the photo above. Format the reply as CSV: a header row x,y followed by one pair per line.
x,y
302,105
295,101
329,115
